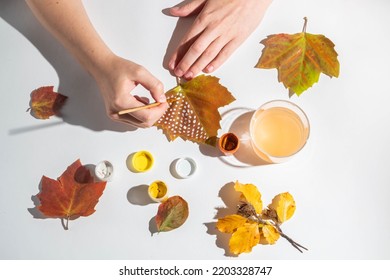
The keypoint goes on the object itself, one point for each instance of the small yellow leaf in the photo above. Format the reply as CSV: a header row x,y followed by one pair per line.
x,y
284,206
251,195
230,223
269,235
244,238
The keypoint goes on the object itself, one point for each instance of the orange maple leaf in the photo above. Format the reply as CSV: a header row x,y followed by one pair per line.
x,y
46,103
74,194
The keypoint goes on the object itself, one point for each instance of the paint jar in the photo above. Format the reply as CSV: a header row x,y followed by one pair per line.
x,y
140,161
158,191
104,170
184,168
228,143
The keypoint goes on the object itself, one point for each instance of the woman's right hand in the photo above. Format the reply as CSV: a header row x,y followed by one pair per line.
x,y
116,81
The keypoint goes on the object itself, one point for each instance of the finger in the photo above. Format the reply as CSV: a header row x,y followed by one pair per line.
x,y
207,56
187,8
151,115
143,118
151,83
180,51
194,52
222,56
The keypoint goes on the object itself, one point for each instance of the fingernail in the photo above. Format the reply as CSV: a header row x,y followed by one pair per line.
x,y
175,8
162,98
189,75
179,72
171,65
209,68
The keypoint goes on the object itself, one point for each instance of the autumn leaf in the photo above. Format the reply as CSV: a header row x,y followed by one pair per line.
x,y
73,194
172,213
268,235
300,58
231,223
46,103
193,109
252,225
244,238
284,206
251,195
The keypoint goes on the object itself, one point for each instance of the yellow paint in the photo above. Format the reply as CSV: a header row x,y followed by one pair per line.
x,y
158,191
142,161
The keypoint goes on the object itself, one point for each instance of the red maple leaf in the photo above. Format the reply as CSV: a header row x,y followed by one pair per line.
x,y
46,103
74,194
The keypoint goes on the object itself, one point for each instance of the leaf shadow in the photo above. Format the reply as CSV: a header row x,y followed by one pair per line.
x,y
231,199
153,226
85,106
138,195
35,211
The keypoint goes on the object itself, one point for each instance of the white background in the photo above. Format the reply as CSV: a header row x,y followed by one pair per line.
x,y
340,181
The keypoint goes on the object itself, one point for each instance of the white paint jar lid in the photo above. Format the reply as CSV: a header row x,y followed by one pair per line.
x,y
184,167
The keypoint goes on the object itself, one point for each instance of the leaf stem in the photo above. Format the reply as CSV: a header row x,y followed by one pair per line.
x,y
304,25
296,245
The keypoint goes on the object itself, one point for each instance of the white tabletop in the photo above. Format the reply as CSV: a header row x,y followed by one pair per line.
x,y
340,180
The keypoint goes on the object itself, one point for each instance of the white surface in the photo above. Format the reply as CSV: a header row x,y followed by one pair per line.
x,y
340,180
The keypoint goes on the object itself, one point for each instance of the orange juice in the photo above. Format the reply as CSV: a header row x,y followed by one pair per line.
x,y
279,129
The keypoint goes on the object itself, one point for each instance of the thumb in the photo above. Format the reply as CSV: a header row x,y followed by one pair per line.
x,y
153,85
187,8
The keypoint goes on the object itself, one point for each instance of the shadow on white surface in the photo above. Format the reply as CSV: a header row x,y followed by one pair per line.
x,y
237,121
85,106
138,195
25,129
231,199
153,226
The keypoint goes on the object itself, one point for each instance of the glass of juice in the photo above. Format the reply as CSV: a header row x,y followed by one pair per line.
x,y
278,130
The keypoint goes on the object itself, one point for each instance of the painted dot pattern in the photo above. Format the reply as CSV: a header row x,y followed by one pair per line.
x,y
181,120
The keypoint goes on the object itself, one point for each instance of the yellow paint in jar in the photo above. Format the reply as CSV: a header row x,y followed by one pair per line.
x,y
140,161
158,191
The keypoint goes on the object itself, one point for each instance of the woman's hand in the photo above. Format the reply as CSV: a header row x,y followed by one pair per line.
x,y
220,27
117,79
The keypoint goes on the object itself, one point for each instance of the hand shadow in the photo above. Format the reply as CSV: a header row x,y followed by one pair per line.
x,y
231,199
85,106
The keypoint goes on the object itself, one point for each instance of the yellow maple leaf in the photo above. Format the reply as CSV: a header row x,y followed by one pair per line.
x,y
251,194
244,238
284,206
